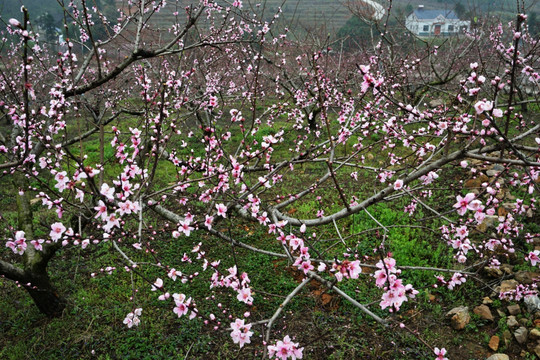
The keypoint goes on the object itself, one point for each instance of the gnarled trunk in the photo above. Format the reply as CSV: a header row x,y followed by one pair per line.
x,y
33,274
48,301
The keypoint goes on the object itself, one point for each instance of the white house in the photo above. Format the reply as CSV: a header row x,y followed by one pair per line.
x,y
424,22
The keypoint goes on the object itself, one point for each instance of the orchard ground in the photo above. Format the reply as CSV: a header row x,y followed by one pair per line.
x,y
91,326
245,159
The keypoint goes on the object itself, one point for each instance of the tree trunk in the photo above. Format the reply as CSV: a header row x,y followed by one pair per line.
x,y
48,301
33,275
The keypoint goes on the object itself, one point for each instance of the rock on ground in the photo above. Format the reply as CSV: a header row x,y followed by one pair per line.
x,y
459,317
498,357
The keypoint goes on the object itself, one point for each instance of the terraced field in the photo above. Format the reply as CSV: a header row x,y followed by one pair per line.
x,y
297,14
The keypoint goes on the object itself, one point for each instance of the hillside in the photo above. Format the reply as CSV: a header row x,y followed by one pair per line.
x,y
299,15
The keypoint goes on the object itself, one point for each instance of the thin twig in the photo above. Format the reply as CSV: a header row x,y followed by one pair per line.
x,y
280,309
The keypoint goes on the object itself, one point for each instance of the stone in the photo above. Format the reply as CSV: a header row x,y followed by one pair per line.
x,y
521,335
487,301
508,285
526,277
436,103
532,302
537,350
483,312
476,183
492,173
498,357
535,334
494,342
523,321
537,323
459,317
493,272
513,309
507,268
512,322
495,154
489,222
497,167
507,337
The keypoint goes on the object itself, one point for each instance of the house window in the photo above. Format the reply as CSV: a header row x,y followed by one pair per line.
x,y
426,27
450,28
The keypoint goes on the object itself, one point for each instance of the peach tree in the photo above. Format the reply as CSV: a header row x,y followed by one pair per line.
x,y
249,124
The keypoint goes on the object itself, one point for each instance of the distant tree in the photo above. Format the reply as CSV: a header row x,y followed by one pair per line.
x,y
409,9
460,10
533,23
356,32
48,25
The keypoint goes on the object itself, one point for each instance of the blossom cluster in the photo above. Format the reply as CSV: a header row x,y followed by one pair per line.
x,y
132,319
456,279
241,333
285,349
237,282
395,292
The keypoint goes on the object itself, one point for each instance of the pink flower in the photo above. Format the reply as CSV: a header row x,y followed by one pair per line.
x,y
182,306
482,106
14,22
295,242
497,113
398,185
101,209
62,180
457,279
57,229
112,221
354,269
185,228
241,334
212,102
38,244
244,295
440,353
221,210
306,266
533,257
463,203
475,205
19,245
173,273
285,349
107,191
208,222
380,278
132,319
157,285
